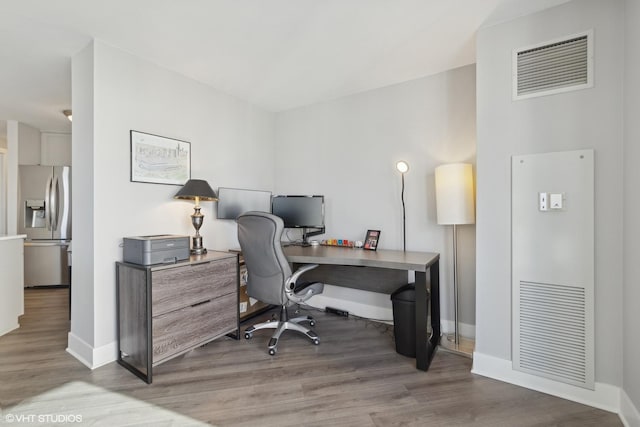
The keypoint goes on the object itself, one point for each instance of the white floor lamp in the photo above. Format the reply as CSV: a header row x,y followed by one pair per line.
x,y
455,206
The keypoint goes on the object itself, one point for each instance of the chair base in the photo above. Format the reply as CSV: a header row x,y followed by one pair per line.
x,y
282,325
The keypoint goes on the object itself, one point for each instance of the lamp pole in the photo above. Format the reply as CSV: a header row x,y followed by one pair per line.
x,y
455,284
404,219
403,167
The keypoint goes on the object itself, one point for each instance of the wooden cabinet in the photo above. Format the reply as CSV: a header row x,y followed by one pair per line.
x,y
249,307
167,310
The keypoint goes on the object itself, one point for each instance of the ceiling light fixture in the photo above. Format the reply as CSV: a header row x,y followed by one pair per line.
x,y
67,113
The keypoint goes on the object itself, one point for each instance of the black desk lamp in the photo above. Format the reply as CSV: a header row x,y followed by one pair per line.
x,y
197,189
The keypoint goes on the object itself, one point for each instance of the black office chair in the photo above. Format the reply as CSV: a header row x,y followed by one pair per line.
x,y
269,275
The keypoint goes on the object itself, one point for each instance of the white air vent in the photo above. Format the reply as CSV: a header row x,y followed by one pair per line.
x,y
552,67
553,332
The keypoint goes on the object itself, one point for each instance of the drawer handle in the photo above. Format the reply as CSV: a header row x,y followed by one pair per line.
x,y
200,303
194,264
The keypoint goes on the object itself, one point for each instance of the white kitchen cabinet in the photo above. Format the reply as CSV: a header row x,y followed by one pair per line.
x,y
12,283
55,149
28,145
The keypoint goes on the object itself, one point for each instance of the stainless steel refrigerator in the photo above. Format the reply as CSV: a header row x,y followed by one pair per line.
x,y
44,215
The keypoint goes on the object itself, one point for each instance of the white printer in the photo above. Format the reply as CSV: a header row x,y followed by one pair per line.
x,y
157,249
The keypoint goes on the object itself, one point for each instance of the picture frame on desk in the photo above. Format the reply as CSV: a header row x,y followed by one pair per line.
x,y
371,240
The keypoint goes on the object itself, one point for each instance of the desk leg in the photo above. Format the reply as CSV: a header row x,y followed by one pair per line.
x,y
434,272
426,346
422,347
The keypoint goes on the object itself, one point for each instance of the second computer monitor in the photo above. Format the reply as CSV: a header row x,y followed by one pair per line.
x,y
299,211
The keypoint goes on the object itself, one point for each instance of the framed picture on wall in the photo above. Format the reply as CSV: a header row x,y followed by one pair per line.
x,y
159,160
371,240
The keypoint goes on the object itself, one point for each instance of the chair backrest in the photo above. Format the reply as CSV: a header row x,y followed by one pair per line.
x,y
259,235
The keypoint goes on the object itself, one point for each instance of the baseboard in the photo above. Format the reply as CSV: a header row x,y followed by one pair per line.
x,y
9,329
628,412
89,356
605,396
371,305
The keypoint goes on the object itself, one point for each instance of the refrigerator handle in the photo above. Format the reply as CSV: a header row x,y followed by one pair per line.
x,y
55,197
47,203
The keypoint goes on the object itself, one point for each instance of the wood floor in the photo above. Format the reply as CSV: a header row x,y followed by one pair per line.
x,y
353,378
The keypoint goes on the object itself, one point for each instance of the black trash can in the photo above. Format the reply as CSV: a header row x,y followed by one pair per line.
x,y
403,300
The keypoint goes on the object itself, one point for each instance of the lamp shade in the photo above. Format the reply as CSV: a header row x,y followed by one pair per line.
x,y
454,194
197,189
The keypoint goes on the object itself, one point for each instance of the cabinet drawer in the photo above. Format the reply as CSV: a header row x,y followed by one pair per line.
x,y
175,288
181,330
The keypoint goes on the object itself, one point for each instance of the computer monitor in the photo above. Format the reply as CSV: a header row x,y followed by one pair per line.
x,y
306,212
232,202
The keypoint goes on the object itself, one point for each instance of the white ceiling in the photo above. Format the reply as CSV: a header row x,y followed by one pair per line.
x,y
277,54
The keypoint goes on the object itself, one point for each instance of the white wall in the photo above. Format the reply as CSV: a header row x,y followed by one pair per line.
x,y
232,144
589,118
81,336
3,177
12,177
347,149
3,191
19,136
3,134
631,355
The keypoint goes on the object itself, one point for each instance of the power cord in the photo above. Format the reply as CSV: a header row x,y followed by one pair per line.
x,y
289,239
386,325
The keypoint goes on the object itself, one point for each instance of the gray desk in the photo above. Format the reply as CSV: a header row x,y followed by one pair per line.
x,y
385,271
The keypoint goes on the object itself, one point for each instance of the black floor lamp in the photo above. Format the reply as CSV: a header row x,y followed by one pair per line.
x,y
403,167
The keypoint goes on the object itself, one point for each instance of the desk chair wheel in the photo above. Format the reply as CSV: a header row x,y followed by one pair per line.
x,y
247,336
316,341
312,323
272,352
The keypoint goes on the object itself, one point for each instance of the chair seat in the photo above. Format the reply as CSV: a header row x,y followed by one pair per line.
x,y
303,287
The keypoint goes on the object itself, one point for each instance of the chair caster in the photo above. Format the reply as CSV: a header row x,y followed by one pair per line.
x,y
312,323
316,341
247,336
272,352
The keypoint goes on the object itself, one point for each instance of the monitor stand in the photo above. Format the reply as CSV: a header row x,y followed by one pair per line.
x,y
306,234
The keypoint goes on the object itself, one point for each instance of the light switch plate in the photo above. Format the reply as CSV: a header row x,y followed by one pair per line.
x,y
543,201
555,200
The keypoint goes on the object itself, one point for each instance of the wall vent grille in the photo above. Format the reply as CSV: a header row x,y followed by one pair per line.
x,y
553,67
553,331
